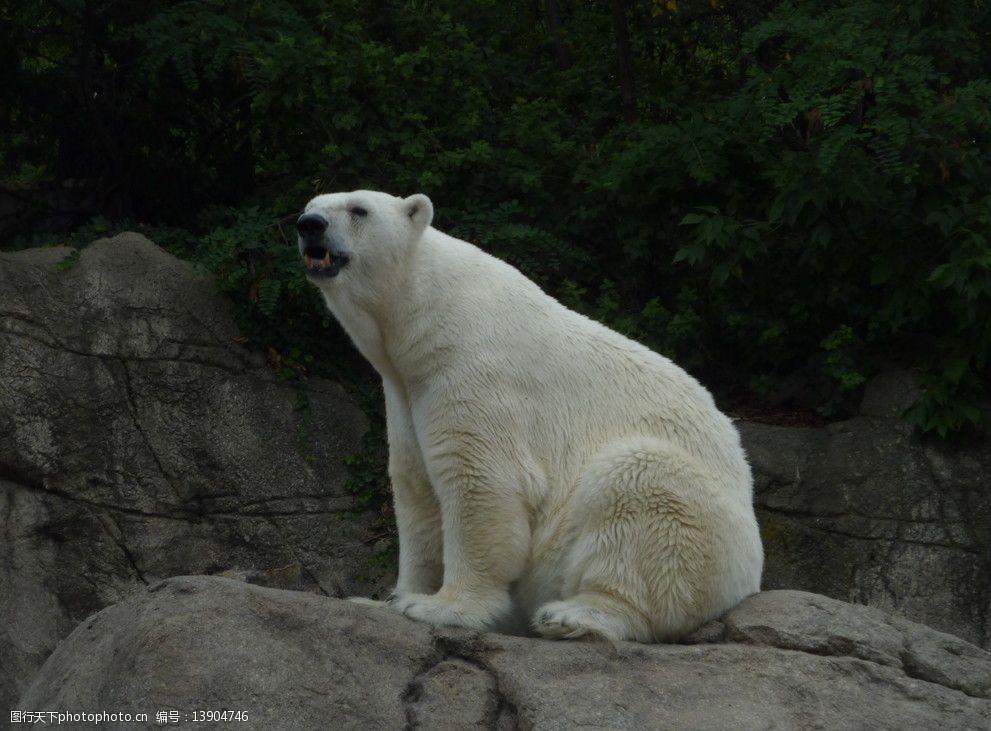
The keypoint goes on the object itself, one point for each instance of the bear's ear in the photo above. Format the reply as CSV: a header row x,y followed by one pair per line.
x,y
420,211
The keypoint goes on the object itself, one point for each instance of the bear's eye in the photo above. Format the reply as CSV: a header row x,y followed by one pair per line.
x,y
358,211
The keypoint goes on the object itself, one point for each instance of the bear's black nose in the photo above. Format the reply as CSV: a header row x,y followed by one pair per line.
x,y
311,225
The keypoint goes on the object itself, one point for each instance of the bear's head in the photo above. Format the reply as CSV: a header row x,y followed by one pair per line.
x,y
362,234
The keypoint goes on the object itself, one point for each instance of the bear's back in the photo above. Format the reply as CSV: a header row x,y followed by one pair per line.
x,y
500,335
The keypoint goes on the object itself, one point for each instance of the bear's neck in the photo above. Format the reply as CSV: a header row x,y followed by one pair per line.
x,y
388,322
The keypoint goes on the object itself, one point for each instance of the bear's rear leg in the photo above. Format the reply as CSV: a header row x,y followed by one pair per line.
x,y
642,565
591,615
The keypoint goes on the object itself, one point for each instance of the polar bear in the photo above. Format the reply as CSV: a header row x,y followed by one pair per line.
x,y
543,466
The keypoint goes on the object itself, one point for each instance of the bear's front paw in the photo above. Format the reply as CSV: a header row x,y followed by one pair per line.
x,y
366,602
387,602
475,612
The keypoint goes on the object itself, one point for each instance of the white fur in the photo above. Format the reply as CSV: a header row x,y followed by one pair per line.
x,y
542,465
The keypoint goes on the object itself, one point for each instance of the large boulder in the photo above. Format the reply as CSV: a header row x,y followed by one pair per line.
x,y
867,511
140,440
291,660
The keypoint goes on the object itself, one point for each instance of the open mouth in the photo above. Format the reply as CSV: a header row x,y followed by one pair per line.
x,y
320,262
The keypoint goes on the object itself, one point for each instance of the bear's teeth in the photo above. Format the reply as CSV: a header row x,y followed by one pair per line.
x,y
326,259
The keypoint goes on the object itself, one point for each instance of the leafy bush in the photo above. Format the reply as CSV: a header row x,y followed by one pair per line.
x,y
768,191
840,192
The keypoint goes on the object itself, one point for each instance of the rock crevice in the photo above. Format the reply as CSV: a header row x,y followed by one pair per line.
x,y
866,511
139,440
788,659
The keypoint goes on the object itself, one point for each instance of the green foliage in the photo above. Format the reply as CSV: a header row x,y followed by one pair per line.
x,y
258,266
848,156
366,478
840,364
866,138
804,191
366,468
68,262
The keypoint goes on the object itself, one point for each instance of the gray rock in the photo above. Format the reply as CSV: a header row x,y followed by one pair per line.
x,y
868,512
889,395
293,660
140,440
798,620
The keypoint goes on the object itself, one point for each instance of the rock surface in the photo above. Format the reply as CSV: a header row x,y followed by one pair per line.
x,y
865,511
139,440
293,660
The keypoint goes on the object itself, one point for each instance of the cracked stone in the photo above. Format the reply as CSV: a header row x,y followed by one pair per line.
x,y
865,511
297,660
139,440
453,694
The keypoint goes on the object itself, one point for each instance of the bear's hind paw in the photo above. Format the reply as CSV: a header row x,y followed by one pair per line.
x,y
568,620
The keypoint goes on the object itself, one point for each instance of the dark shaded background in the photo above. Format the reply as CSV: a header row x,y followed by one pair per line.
x,y
785,197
